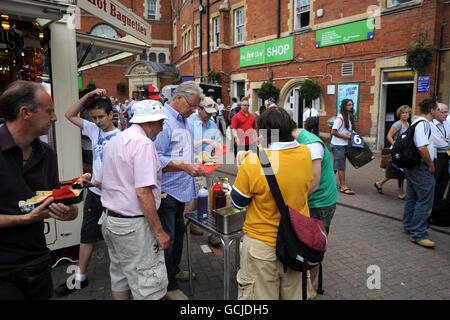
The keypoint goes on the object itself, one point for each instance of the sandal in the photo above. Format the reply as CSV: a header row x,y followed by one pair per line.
x,y
402,197
348,191
380,191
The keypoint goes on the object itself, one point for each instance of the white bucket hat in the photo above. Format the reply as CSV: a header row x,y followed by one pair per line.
x,y
147,111
208,104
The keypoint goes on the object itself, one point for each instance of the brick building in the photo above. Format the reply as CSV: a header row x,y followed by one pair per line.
x,y
155,67
351,48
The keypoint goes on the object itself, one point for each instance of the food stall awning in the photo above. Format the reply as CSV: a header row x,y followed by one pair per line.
x,y
95,51
43,12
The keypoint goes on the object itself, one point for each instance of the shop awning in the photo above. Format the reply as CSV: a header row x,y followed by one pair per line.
x,y
95,51
44,12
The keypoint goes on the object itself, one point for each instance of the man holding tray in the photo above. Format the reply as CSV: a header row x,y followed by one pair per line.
x,y
28,165
99,132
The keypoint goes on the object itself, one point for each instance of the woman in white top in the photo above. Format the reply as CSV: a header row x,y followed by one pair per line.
x,y
403,112
341,134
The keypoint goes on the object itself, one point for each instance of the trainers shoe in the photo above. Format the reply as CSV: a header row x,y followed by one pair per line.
x,y
214,241
183,275
427,243
196,230
176,295
62,290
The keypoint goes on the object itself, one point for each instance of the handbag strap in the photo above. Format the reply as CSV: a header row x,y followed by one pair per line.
x,y
271,179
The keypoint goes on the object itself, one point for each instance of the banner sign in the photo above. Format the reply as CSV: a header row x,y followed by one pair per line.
x,y
348,91
345,33
267,52
119,16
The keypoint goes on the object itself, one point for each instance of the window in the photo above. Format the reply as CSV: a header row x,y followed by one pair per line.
x,y
143,56
239,25
394,3
151,9
197,35
301,13
216,32
152,57
183,44
189,42
162,58
174,34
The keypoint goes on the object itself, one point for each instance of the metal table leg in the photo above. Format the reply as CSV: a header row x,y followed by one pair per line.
x,y
188,241
226,263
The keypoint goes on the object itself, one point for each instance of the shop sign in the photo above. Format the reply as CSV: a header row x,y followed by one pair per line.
x,y
348,91
345,33
423,83
267,52
116,14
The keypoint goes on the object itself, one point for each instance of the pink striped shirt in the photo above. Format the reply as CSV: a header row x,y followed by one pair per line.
x,y
130,161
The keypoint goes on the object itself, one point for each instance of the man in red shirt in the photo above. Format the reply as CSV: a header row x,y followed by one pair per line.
x,y
243,127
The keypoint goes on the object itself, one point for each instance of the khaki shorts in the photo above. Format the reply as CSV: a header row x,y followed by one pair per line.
x,y
137,264
262,277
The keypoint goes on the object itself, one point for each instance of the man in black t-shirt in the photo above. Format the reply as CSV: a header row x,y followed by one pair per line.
x,y
28,165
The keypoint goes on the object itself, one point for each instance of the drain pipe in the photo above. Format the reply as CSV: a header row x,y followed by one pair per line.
x,y
278,19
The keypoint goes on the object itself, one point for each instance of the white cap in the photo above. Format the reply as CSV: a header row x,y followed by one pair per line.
x,y
147,111
208,104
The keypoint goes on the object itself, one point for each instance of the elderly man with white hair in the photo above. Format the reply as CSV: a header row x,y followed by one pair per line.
x,y
176,154
440,130
130,179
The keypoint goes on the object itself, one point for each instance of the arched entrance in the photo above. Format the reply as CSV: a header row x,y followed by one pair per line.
x,y
140,75
290,100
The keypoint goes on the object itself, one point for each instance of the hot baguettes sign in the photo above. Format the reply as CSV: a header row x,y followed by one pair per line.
x,y
119,16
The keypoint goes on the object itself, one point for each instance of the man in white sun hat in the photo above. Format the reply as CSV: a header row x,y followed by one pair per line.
x,y
131,194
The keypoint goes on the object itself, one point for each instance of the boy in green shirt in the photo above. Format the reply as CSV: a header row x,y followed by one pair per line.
x,y
322,194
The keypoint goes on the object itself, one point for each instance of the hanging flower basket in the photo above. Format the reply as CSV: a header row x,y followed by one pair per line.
x,y
214,77
121,87
91,86
420,56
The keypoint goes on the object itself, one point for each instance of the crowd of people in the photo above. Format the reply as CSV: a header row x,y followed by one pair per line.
x,y
146,171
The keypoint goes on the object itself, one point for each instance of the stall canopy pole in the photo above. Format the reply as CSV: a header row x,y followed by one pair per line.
x,y
88,49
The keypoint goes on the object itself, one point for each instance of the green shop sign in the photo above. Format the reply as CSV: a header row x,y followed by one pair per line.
x,y
267,52
350,32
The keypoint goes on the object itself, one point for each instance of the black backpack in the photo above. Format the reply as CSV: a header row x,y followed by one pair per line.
x,y
312,123
404,152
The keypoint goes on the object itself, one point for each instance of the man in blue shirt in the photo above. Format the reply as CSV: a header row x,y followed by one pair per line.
x,y
207,137
204,131
175,151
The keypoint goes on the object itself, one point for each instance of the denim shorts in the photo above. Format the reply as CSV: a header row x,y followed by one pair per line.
x,y
339,159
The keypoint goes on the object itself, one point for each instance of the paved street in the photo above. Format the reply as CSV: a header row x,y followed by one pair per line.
x,y
366,235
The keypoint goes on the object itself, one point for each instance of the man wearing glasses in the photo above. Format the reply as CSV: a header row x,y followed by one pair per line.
x,y
243,127
440,130
176,154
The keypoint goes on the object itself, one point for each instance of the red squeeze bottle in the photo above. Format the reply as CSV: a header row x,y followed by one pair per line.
x,y
216,189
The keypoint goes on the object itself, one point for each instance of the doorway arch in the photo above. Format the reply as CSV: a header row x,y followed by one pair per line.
x,y
290,100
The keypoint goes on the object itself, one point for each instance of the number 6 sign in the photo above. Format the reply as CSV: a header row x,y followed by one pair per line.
x,y
357,140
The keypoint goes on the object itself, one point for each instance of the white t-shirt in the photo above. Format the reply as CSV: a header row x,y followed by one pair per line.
x,y
339,126
316,150
221,107
99,138
314,113
421,134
